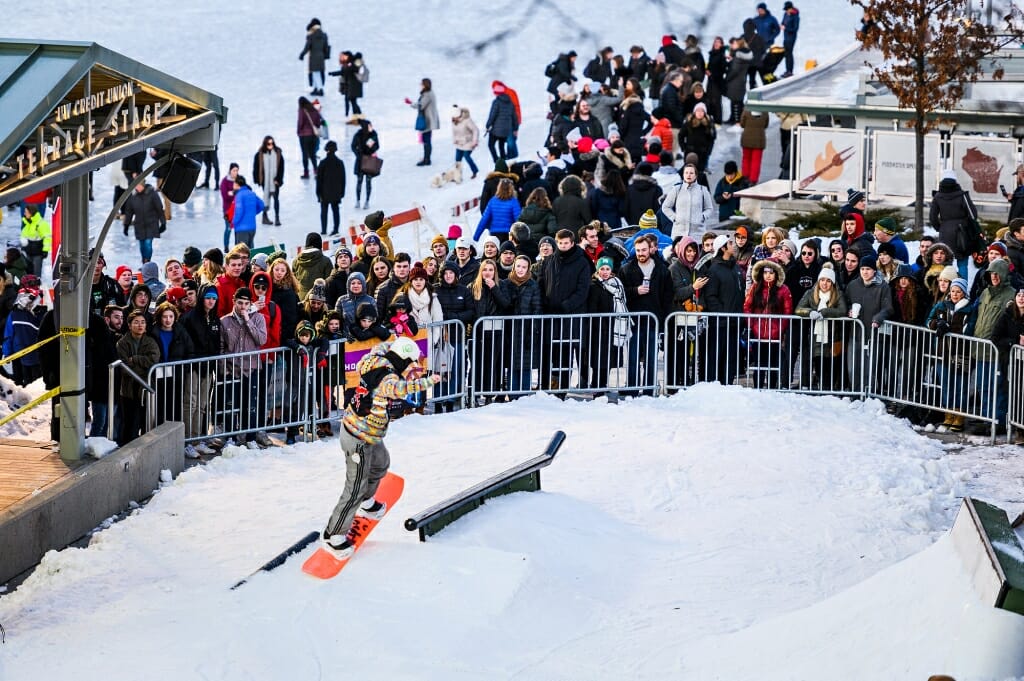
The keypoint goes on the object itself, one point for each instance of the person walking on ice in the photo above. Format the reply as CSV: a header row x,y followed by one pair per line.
x,y
388,372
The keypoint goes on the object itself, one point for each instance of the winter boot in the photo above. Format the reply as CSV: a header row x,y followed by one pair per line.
x,y
956,424
266,218
339,545
277,219
372,509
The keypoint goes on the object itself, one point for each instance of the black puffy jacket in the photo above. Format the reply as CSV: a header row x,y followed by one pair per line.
x,y
564,281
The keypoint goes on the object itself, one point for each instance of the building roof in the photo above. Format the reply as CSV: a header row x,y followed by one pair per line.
x,y
53,93
847,86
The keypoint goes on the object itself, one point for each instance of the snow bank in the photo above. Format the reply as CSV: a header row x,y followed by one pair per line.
x,y
665,525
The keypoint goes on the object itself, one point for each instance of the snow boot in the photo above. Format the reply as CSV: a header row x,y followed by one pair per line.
x,y
339,545
266,218
372,509
956,424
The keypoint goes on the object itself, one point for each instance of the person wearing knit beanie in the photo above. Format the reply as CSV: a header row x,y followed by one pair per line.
x,y
649,220
827,272
192,258
948,273
216,256
961,284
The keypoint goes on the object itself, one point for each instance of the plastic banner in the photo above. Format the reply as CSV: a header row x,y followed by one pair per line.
x,y
829,160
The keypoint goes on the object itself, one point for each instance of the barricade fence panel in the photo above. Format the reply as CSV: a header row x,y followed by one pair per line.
x,y
591,354
771,352
1015,413
232,395
915,366
594,354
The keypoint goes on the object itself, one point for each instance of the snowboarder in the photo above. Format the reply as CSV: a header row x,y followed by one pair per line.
x,y
362,432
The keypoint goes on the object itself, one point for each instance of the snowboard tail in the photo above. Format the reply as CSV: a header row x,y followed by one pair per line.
x,y
323,564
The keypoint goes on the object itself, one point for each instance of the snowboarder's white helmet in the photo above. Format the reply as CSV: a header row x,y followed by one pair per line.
x,y
406,348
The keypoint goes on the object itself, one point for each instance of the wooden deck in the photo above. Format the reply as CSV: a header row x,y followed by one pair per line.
x,y
26,467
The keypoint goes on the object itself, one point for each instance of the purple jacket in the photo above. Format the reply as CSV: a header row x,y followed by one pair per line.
x,y
308,121
227,187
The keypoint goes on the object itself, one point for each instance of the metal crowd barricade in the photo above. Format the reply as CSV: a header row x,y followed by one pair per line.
x,y
590,354
956,374
787,353
231,395
446,355
325,387
1015,414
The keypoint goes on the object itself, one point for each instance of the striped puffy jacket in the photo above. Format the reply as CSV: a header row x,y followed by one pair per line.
x,y
374,426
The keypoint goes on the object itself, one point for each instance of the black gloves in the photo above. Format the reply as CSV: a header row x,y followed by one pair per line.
x,y
941,329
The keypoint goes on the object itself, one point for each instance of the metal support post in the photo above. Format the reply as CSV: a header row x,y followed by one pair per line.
x,y
72,315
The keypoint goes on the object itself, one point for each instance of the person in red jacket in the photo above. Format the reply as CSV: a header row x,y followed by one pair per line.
x,y
229,282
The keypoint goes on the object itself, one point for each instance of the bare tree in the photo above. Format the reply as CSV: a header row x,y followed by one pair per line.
x,y
932,49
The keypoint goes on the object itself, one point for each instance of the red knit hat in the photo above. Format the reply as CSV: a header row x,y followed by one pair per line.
x,y
585,145
418,273
175,294
121,269
454,231
497,87
666,40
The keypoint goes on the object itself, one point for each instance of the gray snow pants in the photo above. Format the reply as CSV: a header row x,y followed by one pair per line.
x,y
365,466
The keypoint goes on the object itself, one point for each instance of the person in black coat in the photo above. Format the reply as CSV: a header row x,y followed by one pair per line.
x,y
950,210
202,324
532,179
145,211
635,122
571,208
492,300
717,68
697,135
502,123
643,194
457,303
564,66
330,186
720,348
649,288
364,143
564,281
349,84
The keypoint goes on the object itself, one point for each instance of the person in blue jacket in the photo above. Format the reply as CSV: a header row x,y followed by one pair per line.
x,y
22,330
500,213
247,206
790,26
767,25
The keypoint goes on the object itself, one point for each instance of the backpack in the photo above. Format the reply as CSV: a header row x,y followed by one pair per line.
x,y
362,401
363,74
551,70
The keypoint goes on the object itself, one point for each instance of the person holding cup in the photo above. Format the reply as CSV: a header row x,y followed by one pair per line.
x,y
869,300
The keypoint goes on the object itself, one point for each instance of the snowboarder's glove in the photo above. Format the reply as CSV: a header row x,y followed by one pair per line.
x,y
815,315
941,329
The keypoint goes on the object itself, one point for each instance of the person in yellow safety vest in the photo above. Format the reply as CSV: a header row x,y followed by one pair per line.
x,y
35,238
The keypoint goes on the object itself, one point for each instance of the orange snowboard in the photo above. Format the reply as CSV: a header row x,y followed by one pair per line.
x,y
322,564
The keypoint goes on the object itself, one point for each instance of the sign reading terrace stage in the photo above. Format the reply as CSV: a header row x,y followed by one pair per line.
x,y
104,110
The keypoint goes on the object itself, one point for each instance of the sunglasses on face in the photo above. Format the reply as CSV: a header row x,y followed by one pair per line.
x,y
807,253
260,286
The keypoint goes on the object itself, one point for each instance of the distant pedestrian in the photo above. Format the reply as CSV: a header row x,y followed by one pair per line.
x,y
465,137
330,186
427,120
364,143
319,50
268,173
308,129
790,25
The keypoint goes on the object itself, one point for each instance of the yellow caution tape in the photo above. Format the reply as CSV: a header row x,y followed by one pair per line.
x,y
35,346
49,394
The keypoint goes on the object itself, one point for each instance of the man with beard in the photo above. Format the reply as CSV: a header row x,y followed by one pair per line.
x,y
564,280
648,289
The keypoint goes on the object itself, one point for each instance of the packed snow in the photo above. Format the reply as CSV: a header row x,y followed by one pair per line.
x,y
719,529
720,533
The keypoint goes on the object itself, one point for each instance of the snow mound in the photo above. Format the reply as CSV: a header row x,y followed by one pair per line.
x,y
663,524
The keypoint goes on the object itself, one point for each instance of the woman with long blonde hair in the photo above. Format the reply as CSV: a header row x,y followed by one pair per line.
x,y
492,300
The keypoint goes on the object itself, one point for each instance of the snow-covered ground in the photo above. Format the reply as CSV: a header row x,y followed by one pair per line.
x,y
720,533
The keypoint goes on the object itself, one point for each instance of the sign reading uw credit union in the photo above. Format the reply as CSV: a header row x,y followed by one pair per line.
x,y
80,127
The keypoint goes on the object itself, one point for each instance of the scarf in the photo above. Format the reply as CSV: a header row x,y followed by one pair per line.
x,y
621,325
821,326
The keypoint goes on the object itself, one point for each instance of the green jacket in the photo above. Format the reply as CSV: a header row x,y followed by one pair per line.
x,y
309,266
993,301
38,230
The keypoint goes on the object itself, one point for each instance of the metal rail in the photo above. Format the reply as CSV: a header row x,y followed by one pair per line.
x,y
434,519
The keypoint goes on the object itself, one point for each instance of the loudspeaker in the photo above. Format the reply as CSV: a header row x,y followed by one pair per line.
x,y
182,174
